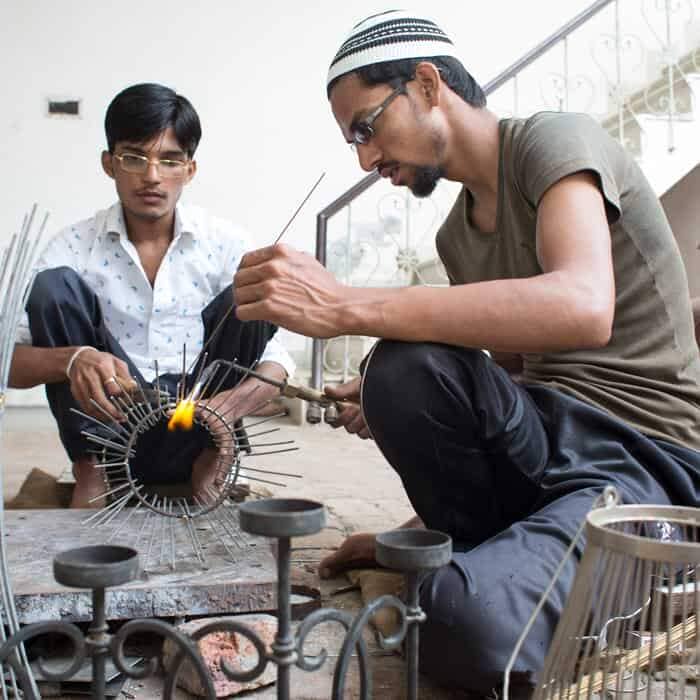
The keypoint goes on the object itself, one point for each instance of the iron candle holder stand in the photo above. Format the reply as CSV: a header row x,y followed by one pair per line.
x,y
415,553
99,567
282,519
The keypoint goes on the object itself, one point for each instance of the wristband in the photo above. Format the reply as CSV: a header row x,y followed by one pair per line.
x,y
74,356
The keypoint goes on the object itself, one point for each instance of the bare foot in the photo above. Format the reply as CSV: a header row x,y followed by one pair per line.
x,y
89,485
205,472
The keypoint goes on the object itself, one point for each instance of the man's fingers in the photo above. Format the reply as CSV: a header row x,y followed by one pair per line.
x,y
327,567
330,566
346,414
96,392
248,295
356,552
356,425
123,375
112,386
251,275
255,257
349,391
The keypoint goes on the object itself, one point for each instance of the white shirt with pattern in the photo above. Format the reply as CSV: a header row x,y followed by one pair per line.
x,y
154,322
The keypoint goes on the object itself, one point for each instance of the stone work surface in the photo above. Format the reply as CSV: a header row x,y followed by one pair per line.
x,y
33,538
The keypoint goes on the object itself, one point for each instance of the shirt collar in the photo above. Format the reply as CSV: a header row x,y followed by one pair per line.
x,y
185,223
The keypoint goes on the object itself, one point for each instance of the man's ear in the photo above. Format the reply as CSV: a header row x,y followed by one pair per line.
x,y
427,76
191,170
108,164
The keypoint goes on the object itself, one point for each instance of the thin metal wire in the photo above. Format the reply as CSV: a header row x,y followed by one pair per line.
x,y
17,272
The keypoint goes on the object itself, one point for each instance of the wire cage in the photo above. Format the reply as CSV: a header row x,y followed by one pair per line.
x,y
630,625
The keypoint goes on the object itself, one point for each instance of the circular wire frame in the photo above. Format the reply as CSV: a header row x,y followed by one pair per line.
x,y
145,415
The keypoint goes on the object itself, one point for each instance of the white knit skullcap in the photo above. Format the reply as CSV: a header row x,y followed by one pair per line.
x,y
389,36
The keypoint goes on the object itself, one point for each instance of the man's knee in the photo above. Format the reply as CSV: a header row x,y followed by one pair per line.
x,y
56,287
400,377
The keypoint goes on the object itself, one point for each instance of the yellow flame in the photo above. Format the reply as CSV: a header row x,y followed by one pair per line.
x,y
183,416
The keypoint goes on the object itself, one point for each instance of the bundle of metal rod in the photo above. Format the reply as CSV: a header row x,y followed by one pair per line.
x,y
157,523
16,275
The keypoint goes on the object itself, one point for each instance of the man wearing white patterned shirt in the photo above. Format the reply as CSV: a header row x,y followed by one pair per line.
x,y
134,284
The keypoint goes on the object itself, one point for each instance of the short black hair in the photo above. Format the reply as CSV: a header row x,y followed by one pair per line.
x,y
452,72
142,111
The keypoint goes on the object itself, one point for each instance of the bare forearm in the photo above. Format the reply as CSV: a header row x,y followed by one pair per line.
x,y
539,314
252,392
32,366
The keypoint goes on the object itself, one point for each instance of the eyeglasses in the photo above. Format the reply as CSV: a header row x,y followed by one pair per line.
x,y
363,130
166,167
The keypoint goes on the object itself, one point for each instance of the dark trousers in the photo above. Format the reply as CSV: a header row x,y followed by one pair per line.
x,y
63,310
510,472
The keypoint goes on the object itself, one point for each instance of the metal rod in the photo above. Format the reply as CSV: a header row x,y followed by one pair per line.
x,y
107,415
99,644
172,538
105,442
283,646
196,545
272,452
183,386
100,423
298,209
107,510
153,534
132,512
267,471
210,520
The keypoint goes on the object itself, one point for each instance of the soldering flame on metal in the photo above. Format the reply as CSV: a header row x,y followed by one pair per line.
x,y
183,416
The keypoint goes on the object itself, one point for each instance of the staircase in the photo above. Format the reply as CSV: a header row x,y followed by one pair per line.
x,y
632,64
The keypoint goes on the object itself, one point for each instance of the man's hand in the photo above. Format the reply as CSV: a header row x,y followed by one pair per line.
x,y
243,399
350,416
357,552
288,288
98,375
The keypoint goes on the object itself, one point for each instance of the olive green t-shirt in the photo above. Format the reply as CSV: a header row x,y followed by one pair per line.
x,y
648,375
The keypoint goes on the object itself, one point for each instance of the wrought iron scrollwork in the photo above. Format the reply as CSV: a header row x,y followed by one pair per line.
x,y
187,651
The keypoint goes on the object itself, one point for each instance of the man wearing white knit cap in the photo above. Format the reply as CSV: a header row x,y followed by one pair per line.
x,y
563,266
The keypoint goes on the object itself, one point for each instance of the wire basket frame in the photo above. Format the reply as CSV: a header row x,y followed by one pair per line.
x,y
631,617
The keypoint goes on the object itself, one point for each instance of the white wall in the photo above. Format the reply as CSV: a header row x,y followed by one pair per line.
x,y
254,71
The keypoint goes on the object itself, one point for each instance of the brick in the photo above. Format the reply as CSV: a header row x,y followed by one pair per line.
x,y
235,649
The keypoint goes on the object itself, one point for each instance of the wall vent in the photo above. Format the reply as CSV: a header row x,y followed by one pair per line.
x,y
63,108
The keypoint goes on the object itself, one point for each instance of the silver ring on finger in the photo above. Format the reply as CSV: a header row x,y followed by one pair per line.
x,y
111,380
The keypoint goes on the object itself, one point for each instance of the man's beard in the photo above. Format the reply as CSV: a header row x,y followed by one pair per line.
x,y
425,180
